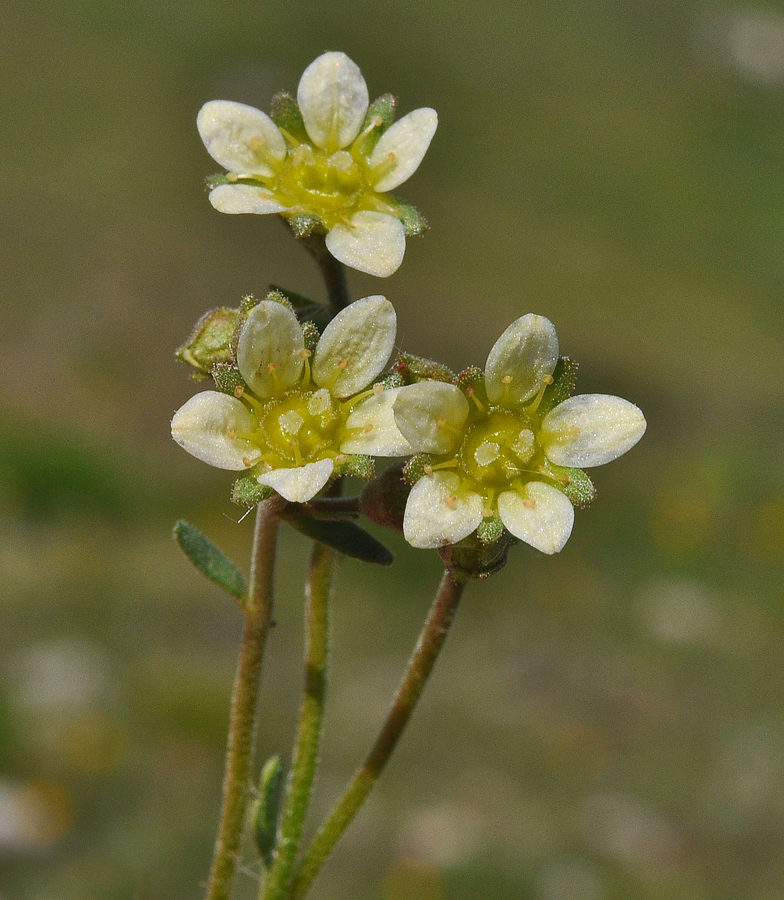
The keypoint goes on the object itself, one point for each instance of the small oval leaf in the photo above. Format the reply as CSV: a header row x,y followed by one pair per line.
x,y
209,560
345,537
265,809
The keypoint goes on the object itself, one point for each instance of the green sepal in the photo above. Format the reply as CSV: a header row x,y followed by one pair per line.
x,y
391,380
248,492
275,295
213,181
412,219
305,224
417,467
472,380
384,499
310,335
562,387
416,368
471,560
490,529
246,305
356,464
345,537
286,114
209,342
227,378
575,483
210,560
380,114
266,809
306,310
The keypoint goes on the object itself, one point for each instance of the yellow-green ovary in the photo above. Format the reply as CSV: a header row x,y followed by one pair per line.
x,y
497,448
300,428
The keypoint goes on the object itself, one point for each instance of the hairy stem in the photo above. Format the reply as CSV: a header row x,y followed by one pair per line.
x,y
332,271
420,665
242,723
323,566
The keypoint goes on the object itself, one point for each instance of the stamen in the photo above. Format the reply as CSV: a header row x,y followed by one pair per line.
x,y
231,177
471,394
297,455
428,469
289,137
305,355
239,391
449,464
547,380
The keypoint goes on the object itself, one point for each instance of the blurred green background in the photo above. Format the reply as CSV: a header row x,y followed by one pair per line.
x,y
603,725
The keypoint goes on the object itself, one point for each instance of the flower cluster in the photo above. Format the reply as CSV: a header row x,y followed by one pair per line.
x,y
327,159
491,454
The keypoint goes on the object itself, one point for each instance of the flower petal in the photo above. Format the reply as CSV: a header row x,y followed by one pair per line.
x,y
205,425
244,198
355,346
590,430
241,138
371,242
300,484
431,415
269,350
540,515
440,511
333,97
524,354
401,148
376,433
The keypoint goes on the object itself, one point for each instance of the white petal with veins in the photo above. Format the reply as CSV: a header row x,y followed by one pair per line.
x,y
269,349
333,97
431,415
371,242
377,434
205,425
241,138
524,354
236,199
540,515
440,511
402,147
591,430
300,484
355,346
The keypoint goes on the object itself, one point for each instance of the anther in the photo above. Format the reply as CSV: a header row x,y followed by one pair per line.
x,y
547,380
232,177
342,364
368,428
231,433
378,389
507,379
239,391
305,353
271,367
451,501
487,513
529,502
427,469
246,462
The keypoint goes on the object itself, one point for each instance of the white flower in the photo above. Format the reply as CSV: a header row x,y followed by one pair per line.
x,y
497,452
337,174
301,414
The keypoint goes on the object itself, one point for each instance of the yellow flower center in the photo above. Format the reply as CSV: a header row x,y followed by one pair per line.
x,y
497,449
334,186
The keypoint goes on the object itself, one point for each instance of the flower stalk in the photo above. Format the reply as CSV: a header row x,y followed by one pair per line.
x,y
323,566
420,665
242,724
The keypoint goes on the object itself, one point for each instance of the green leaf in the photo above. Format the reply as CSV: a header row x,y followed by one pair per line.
x,y
345,537
209,560
265,809
306,310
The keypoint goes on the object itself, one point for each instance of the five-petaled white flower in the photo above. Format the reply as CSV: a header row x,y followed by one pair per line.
x,y
500,454
335,176
301,414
